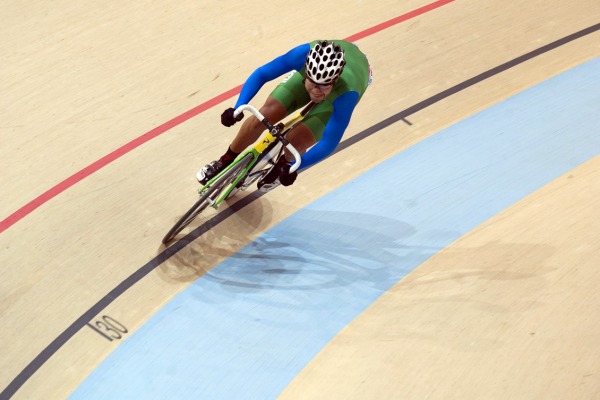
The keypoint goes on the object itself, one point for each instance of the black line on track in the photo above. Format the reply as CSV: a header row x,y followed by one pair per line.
x,y
76,326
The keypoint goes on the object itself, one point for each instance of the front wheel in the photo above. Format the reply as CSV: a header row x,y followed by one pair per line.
x,y
207,198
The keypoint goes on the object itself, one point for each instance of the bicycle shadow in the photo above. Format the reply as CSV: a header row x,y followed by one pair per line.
x,y
321,250
213,237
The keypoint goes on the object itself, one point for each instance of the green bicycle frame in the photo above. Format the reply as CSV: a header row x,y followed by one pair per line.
x,y
256,150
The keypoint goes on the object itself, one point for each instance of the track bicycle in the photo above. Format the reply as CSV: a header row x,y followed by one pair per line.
x,y
250,166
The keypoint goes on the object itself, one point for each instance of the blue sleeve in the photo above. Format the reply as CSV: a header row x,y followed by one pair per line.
x,y
292,60
343,107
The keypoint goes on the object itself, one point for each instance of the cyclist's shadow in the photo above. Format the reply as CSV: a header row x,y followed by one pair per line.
x,y
322,249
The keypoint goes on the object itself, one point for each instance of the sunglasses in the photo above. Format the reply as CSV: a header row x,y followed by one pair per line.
x,y
319,85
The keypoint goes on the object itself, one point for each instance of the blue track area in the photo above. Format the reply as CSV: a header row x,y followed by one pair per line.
x,y
246,329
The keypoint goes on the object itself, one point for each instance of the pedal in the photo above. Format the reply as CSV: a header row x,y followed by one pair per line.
x,y
267,187
250,179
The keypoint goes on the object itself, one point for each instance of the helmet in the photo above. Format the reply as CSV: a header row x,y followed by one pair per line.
x,y
325,62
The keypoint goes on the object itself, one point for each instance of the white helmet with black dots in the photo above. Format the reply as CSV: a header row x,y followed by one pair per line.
x,y
325,62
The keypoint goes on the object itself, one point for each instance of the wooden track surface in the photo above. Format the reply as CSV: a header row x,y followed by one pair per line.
x,y
83,79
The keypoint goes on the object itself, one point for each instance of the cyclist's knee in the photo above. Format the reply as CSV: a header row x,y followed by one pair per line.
x,y
302,138
273,110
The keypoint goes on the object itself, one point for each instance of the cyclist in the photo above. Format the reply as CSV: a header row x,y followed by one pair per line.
x,y
334,74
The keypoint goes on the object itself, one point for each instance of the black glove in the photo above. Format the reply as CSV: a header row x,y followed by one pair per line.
x,y
285,177
228,119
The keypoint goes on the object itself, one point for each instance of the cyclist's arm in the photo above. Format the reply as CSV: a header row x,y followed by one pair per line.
x,y
292,60
343,107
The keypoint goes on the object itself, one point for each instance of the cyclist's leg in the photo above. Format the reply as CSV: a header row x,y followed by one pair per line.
x,y
302,137
286,98
251,129
310,130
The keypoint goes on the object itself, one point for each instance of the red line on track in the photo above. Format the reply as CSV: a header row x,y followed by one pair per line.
x,y
397,20
159,130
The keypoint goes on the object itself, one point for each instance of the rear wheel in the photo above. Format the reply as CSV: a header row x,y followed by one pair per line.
x,y
208,197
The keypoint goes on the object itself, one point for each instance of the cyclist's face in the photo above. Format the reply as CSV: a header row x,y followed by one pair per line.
x,y
317,92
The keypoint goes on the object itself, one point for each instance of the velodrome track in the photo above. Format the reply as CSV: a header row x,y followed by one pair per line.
x,y
447,250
